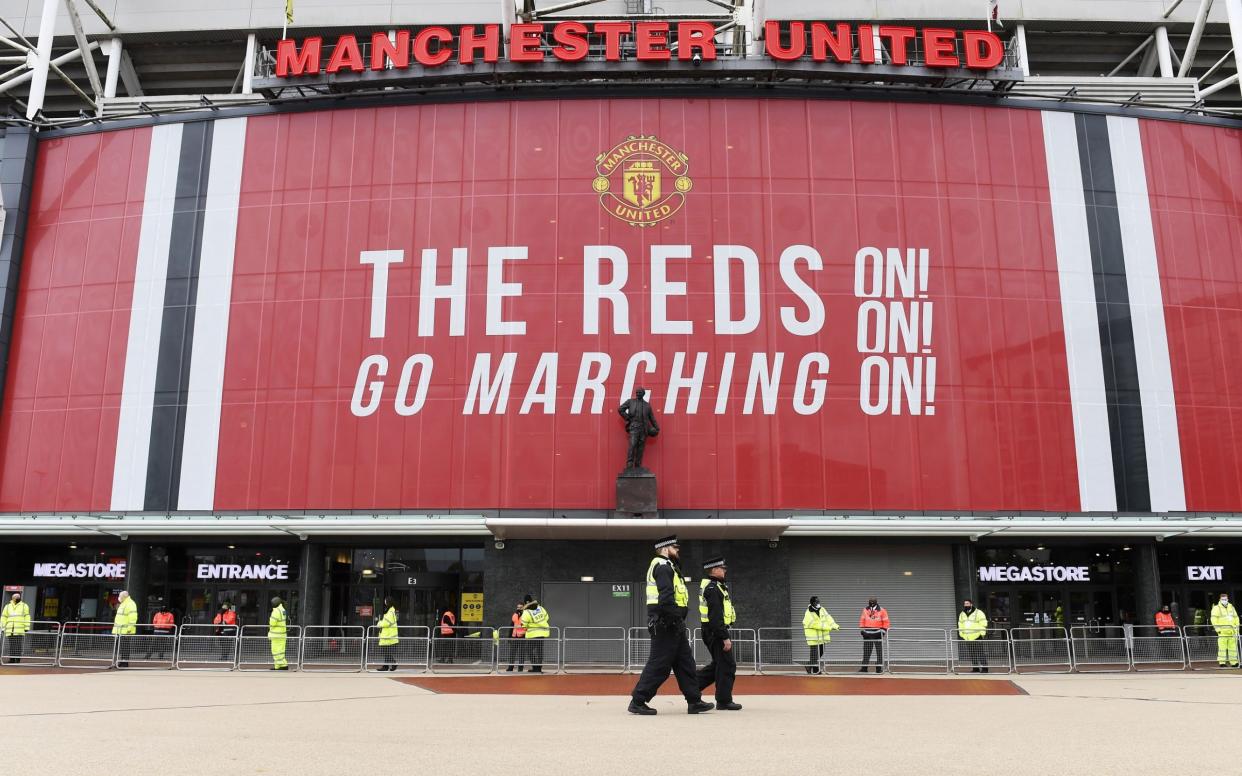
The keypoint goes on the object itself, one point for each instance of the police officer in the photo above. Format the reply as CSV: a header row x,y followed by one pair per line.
x,y
667,602
277,634
1225,621
124,623
717,613
14,622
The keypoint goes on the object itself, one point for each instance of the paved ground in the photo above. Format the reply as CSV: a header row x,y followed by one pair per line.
x,y
205,723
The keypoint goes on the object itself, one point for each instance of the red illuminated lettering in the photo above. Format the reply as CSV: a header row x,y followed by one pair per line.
x,y
525,41
422,46
866,45
696,38
823,41
898,37
939,48
983,49
290,61
612,32
488,43
651,40
572,40
772,41
384,50
346,54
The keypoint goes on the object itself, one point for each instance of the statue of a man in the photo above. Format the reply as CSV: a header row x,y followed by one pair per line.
x,y
640,423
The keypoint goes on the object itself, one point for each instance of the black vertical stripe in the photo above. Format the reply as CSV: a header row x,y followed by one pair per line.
x,y
172,374
1112,306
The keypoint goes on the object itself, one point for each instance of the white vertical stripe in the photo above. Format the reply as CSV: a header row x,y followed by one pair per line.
x,y
133,438
211,317
1151,338
1092,442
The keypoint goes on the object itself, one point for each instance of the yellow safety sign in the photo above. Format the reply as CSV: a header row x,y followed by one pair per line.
x,y
472,607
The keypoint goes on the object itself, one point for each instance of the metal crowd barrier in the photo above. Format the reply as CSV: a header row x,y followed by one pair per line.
x,y
589,649
1100,648
1041,649
639,649
783,651
543,654
745,648
918,650
471,649
412,652
333,648
86,645
146,649
1154,650
1204,646
207,647
991,653
257,652
36,647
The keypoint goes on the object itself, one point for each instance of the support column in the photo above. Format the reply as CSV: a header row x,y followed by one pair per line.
x,y
38,85
136,567
1234,9
1146,582
1164,52
114,67
965,578
17,163
310,600
1024,59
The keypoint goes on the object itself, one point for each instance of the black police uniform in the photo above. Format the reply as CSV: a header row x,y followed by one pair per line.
x,y
670,650
723,668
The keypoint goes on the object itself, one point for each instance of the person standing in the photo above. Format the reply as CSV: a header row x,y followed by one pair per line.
x,y
226,628
278,634
14,623
517,652
667,604
817,627
716,613
388,636
873,622
1165,625
972,625
124,623
163,626
1225,621
535,621
447,629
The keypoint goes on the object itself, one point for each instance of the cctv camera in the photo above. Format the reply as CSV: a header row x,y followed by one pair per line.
x,y
773,544
499,545
697,59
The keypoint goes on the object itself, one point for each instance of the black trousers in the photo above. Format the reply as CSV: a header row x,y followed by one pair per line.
x,y
975,653
534,648
816,654
517,653
870,642
14,649
125,647
720,672
670,651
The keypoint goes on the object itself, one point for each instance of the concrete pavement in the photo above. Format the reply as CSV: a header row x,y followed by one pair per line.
x,y
208,723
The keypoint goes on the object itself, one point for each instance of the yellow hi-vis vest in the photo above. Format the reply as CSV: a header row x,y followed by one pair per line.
x,y
681,596
1225,619
535,621
818,628
126,619
15,620
277,623
973,626
730,614
388,628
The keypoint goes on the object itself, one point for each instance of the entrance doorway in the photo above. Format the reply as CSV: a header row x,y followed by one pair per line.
x,y
198,605
1091,608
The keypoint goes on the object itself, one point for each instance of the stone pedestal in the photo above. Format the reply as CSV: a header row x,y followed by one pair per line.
x,y
636,493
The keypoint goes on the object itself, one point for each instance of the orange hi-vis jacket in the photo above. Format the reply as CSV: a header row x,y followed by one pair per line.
x,y
518,630
872,620
163,621
225,618
1164,621
446,624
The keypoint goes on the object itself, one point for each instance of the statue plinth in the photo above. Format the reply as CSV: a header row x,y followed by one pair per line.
x,y
636,493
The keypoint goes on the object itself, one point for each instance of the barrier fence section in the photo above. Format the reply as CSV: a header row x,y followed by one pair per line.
x,y
207,647
1043,649
745,649
412,652
540,655
784,650
639,648
1154,650
587,649
147,649
1100,648
258,650
333,647
1206,648
35,647
989,654
86,645
469,649
918,650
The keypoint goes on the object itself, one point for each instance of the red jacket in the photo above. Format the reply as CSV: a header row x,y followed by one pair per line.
x,y
873,619
518,630
1164,621
225,618
447,621
163,621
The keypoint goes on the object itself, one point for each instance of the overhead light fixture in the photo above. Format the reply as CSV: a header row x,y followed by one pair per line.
x,y
1126,548
232,547
368,573
1210,548
907,573
73,546
588,579
1040,548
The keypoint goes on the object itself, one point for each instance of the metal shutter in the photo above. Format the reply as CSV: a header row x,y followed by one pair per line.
x,y
844,576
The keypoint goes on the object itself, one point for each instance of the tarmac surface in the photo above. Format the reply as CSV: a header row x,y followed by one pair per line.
x,y
178,722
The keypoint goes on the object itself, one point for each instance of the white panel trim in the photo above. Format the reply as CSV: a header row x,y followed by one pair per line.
x,y
1151,338
133,438
1092,440
211,318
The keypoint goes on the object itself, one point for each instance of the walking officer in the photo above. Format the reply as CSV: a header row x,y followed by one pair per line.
x,y
717,613
667,603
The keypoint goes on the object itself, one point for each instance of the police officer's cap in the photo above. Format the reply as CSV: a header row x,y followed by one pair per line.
x,y
276,600
713,563
667,541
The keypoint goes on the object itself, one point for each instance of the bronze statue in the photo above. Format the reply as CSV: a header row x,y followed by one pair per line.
x,y
640,423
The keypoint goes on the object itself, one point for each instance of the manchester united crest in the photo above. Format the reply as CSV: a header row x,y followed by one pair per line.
x,y
642,181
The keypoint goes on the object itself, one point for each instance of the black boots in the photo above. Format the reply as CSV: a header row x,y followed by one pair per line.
x,y
730,706
641,709
700,707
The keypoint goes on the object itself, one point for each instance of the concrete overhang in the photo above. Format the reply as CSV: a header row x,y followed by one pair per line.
x,y
635,528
